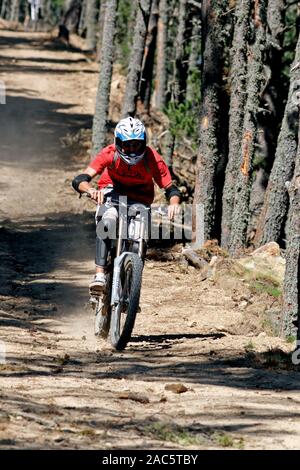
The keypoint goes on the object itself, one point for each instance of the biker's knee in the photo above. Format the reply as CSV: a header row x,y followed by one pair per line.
x,y
107,228
102,249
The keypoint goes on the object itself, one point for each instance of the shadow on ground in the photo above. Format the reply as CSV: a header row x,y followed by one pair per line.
x,y
31,129
65,426
235,369
31,253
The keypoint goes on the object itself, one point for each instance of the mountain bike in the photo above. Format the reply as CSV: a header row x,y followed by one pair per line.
x,y
116,308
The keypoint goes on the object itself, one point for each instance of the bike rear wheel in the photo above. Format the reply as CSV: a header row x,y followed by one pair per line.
x,y
123,315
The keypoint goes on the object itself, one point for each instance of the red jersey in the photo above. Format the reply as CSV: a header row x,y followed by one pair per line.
x,y
134,181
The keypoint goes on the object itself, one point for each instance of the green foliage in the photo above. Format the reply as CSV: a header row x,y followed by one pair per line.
x,y
261,286
183,121
259,161
263,282
194,85
226,440
124,31
184,437
166,432
183,114
291,339
57,3
249,346
290,39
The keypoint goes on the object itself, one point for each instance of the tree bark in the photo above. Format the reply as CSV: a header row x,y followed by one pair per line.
x,y
274,211
272,109
4,8
291,304
275,93
180,65
136,58
82,21
47,13
103,93
161,57
149,54
91,21
209,154
15,10
275,89
194,69
169,150
236,112
255,80
72,16
101,19
275,20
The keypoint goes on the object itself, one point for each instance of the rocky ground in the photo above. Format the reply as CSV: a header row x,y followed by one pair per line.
x,y
203,369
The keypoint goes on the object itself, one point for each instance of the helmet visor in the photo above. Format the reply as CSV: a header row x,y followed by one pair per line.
x,y
132,148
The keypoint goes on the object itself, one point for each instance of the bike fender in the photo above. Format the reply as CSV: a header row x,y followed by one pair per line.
x,y
118,263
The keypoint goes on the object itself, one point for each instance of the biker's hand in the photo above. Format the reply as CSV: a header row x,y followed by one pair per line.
x,y
97,195
173,209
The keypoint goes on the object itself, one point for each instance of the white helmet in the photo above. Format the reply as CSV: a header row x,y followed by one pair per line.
x,y
130,140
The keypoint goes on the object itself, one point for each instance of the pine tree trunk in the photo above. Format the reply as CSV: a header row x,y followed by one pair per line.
x,y
161,46
193,60
102,99
101,19
180,65
275,20
236,112
169,149
136,58
255,80
148,61
72,16
82,21
47,13
209,153
275,91
4,8
91,21
291,305
15,10
272,110
274,211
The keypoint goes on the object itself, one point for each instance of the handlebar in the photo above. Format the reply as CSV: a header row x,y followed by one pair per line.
x,y
115,202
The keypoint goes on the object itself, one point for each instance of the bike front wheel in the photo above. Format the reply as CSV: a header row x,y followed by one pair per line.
x,y
124,313
103,312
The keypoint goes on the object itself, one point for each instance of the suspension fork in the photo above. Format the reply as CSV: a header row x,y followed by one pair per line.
x,y
120,238
142,238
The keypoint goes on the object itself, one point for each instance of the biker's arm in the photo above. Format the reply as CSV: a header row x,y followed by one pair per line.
x,y
163,179
173,196
81,184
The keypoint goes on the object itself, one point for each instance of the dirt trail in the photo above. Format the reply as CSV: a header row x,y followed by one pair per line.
x,y
62,388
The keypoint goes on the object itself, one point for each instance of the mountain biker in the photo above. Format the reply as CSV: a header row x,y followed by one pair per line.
x,y
128,167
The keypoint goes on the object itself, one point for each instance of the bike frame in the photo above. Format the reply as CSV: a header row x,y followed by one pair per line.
x,y
120,255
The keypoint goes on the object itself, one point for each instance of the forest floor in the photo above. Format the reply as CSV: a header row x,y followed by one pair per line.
x,y
193,375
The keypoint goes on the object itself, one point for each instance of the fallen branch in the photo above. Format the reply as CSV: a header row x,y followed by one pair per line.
x,y
194,259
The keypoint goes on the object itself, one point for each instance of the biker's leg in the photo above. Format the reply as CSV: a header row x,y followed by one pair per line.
x,y
145,213
106,231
